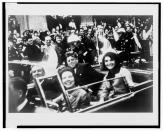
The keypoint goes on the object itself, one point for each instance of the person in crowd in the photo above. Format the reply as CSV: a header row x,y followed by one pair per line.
x,y
127,42
35,35
109,35
53,34
72,40
60,48
147,42
26,35
14,51
120,43
111,63
131,39
104,44
90,46
84,73
106,33
18,102
37,42
81,31
20,46
72,24
76,45
89,33
50,58
78,98
33,51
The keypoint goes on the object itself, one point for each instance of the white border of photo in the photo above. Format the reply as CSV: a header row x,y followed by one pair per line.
x,y
107,119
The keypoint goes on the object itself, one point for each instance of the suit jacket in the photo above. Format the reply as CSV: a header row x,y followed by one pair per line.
x,y
85,74
33,53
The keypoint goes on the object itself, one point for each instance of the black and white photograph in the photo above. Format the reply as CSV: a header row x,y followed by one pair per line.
x,y
80,64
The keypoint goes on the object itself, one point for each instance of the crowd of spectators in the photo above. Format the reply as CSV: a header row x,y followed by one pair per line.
x,y
89,43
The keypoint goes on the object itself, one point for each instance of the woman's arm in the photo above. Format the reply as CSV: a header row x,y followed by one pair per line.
x,y
126,73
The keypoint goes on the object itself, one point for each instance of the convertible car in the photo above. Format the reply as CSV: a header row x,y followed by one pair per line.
x,y
139,99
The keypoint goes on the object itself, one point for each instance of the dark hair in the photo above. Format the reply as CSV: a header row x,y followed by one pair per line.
x,y
113,56
35,31
72,54
19,84
64,69
58,35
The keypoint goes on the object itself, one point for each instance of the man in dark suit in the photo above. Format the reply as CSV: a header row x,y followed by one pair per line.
x,y
18,102
90,48
33,51
84,73
60,48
